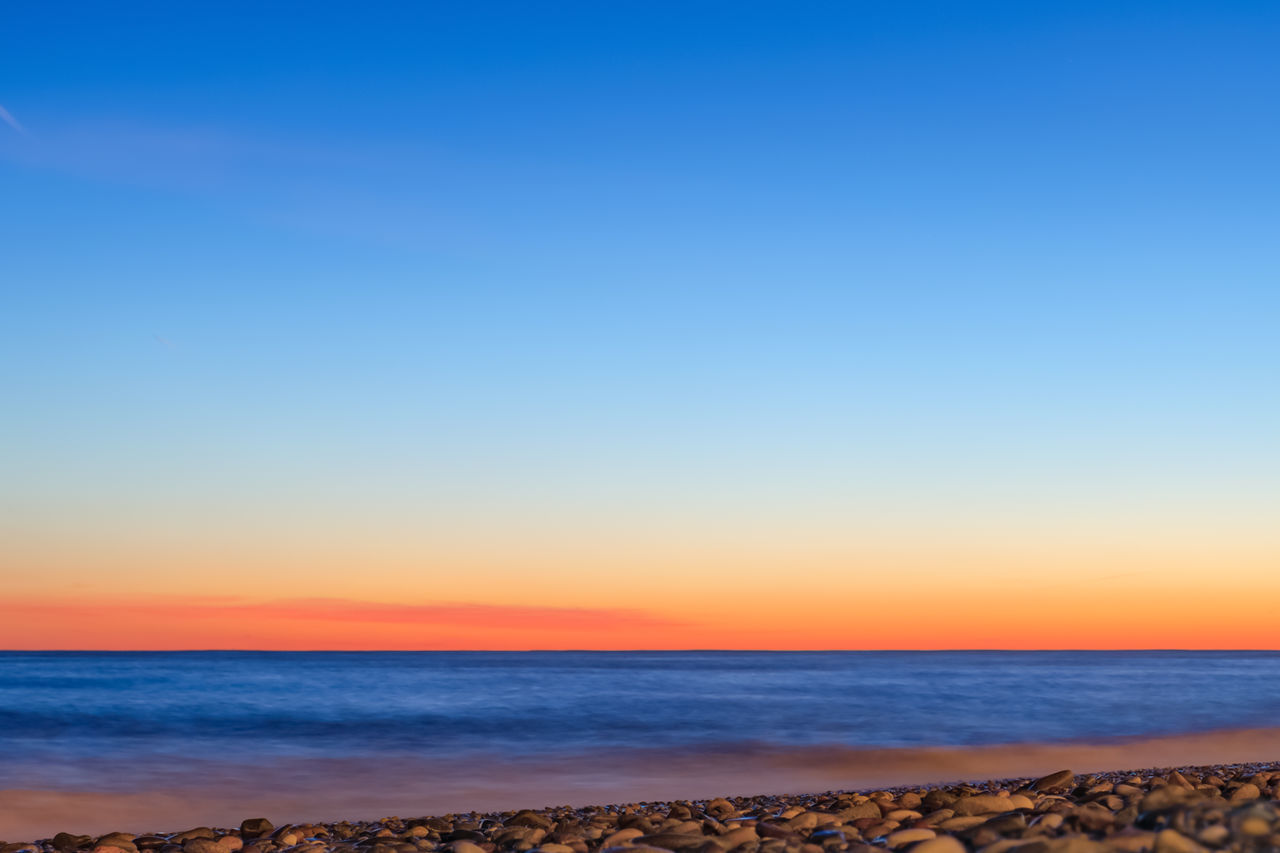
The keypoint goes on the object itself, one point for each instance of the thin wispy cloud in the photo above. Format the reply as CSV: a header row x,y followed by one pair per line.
x,y
11,121
341,610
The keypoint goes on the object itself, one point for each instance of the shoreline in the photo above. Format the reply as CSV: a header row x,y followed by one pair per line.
x,y
177,792
1188,809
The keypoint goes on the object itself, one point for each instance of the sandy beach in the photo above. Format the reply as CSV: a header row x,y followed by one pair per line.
x,y
1183,810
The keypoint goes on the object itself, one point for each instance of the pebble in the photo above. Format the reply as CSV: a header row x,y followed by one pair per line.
x,y
1054,781
941,844
907,836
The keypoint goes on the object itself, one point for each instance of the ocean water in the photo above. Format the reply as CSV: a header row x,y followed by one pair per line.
x,y
469,729
254,705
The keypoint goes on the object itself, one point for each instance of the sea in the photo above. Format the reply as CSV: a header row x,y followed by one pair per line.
x,y
361,732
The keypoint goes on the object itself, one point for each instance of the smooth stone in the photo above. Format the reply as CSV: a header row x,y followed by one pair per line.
x,y
1054,781
1162,799
858,811
1077,844
203,845
1255,826
772,830
1137,842
1247,791
674,841
622,836
256,827
909,800
529,818
263,846
1215,835
198,832
941,844
980,804
802,821
465,847
1093,817
66,842
908,836
1172,841
741,835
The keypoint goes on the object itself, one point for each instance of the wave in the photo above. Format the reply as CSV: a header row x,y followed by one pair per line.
x,y
177,794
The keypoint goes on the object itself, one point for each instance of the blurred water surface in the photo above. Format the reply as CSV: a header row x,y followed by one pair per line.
x,y
66,715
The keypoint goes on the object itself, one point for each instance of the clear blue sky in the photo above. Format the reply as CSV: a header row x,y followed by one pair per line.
x,y
725,264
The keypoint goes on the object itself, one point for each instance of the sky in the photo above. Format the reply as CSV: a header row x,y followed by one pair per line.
x,y
864,324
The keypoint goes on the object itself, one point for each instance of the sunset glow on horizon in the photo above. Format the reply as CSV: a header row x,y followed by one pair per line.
x,y
872,326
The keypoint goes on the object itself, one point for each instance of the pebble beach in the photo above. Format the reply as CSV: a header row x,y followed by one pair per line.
x,y
1184,810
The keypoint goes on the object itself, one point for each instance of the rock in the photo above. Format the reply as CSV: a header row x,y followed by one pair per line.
x,y
198,832
1007,824
1247,791
203,845
903,837
772,830
1172,841
465,847
622,836
1162,799
858,811
720,807
65,842
1136,842
1214,836
1035,845
1077,844
1092,817
1051,820
741,835
1060,780
1255,827
673,841
980,804
256,827
941,844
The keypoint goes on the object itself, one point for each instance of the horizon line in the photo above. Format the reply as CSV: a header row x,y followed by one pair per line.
x,y
623,651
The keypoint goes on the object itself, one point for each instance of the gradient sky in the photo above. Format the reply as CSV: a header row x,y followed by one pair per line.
x,y
859,324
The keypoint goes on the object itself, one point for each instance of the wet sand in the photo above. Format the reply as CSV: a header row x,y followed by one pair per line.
x,y
192,794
